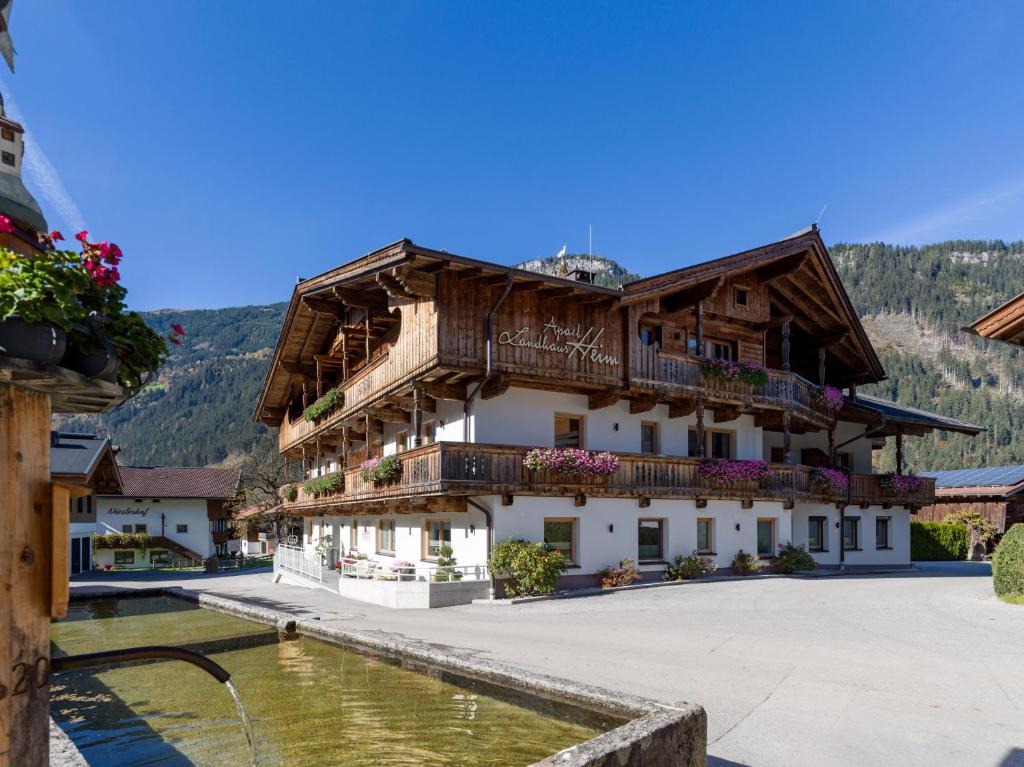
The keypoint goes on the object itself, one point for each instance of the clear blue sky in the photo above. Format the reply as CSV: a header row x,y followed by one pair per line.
x,y
231,146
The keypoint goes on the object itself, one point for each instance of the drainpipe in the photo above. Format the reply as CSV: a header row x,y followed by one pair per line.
x,y
490,539
849,484
490,358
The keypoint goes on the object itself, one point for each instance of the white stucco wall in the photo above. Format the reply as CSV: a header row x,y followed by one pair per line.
x,y
898,552
110,518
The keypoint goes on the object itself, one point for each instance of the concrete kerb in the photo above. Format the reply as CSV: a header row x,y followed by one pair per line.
x,y
656,735
590,591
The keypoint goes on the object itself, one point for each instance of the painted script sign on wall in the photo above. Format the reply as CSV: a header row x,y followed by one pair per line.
x,y
572,341
128,511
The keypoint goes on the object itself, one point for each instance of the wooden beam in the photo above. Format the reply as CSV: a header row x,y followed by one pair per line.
x,y
323,306
643,502
681,409
361,299
746,504
723,414
388,416
642,405
580,500
603,399
780,268
298,368
683,299
439,390
507,499
495,386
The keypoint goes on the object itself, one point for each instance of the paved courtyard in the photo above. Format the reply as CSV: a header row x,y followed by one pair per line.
x,y
912,669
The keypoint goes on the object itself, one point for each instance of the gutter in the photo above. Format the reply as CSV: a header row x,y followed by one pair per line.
x,y
489,371
489,516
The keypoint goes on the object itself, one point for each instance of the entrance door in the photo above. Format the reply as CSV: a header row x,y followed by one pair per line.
x,y
76,556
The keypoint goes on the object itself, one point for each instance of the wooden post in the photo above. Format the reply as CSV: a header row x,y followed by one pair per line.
x,y
787,456
699,310
369,321
700,429
305,395
785,344
899,450
832,447
319,381
26,576
417,416
821,366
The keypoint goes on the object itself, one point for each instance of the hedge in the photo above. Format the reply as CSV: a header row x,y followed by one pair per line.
x,y
935,541
1008,562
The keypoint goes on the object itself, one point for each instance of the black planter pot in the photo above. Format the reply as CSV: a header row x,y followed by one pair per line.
x,y
36,341
95,359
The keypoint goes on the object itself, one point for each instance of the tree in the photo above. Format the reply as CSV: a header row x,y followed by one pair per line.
x,y
263,474
980,529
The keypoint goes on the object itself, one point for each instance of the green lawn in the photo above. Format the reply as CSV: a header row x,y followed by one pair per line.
x,y
1013,599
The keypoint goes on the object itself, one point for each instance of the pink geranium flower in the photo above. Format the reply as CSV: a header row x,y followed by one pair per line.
x,y
5,224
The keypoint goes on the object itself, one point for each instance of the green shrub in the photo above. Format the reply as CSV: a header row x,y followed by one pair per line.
x,y
328,483
1008,563
791,558
141,541
623,575
323,405
684,568
446,562
746,564
290,492
380,469
528,567
938,541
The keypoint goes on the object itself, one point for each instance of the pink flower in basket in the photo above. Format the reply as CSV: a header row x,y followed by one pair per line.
x,y
731,472
573,461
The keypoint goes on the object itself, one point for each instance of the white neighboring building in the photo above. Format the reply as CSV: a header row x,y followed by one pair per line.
x,y
85,462
180,508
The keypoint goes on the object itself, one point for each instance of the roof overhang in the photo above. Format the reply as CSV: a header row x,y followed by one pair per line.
x,y
901,419
1004,323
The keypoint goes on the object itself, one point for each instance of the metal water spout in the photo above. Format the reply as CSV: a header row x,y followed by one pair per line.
x,y
162,652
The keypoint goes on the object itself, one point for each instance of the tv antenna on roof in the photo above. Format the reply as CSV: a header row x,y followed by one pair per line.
x,y
818,219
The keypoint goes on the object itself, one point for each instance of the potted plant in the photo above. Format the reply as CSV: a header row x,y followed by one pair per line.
x,y
900,484
827,398
826,481
728,371
380,470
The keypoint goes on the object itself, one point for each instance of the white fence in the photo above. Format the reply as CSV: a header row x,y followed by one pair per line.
x,y
408,571
294,559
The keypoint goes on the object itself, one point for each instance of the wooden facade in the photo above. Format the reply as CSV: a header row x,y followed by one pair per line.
x,y
397,331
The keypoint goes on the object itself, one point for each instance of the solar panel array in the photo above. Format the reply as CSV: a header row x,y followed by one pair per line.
x,y
995,476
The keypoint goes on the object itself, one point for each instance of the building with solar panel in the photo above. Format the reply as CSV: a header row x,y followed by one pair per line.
x,y
997,493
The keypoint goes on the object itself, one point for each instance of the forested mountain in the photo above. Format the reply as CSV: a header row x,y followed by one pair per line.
x,y
913,302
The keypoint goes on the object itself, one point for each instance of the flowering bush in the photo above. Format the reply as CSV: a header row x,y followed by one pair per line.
x,y
328,483
571,460
404,569
899,484
727,370
746,564
290,492
828,398
683,568
528,567
724,473
141,541
380,469
829,480
791,558
323,405
623,575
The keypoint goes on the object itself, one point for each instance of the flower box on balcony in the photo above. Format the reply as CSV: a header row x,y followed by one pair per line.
x,y
728,371
825,481
324,485
559,463
741,476
900,484
380,471
828,399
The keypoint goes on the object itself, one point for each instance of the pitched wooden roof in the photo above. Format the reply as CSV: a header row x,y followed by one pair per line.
x,y
803,283
178,482
1004,323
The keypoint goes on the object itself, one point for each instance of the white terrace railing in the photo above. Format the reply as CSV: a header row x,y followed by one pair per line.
x,y
407,571
294,559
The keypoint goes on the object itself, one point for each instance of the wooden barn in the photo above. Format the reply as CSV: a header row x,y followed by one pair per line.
x,y
996,492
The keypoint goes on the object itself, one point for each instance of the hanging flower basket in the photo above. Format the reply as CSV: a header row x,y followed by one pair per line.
x,y
728,371
380,470
825,481
734,475
572,462
900,484
324,405
828,398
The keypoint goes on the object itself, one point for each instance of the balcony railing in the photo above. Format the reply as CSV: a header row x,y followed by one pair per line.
x,y
456,468
684,373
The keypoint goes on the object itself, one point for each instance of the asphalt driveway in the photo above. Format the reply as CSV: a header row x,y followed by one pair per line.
x,y
923,668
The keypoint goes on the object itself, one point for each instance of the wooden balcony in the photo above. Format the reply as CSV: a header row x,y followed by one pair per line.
x,y
683,374
458,469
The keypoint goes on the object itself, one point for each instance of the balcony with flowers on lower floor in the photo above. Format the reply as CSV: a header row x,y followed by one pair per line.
x,y
461,469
